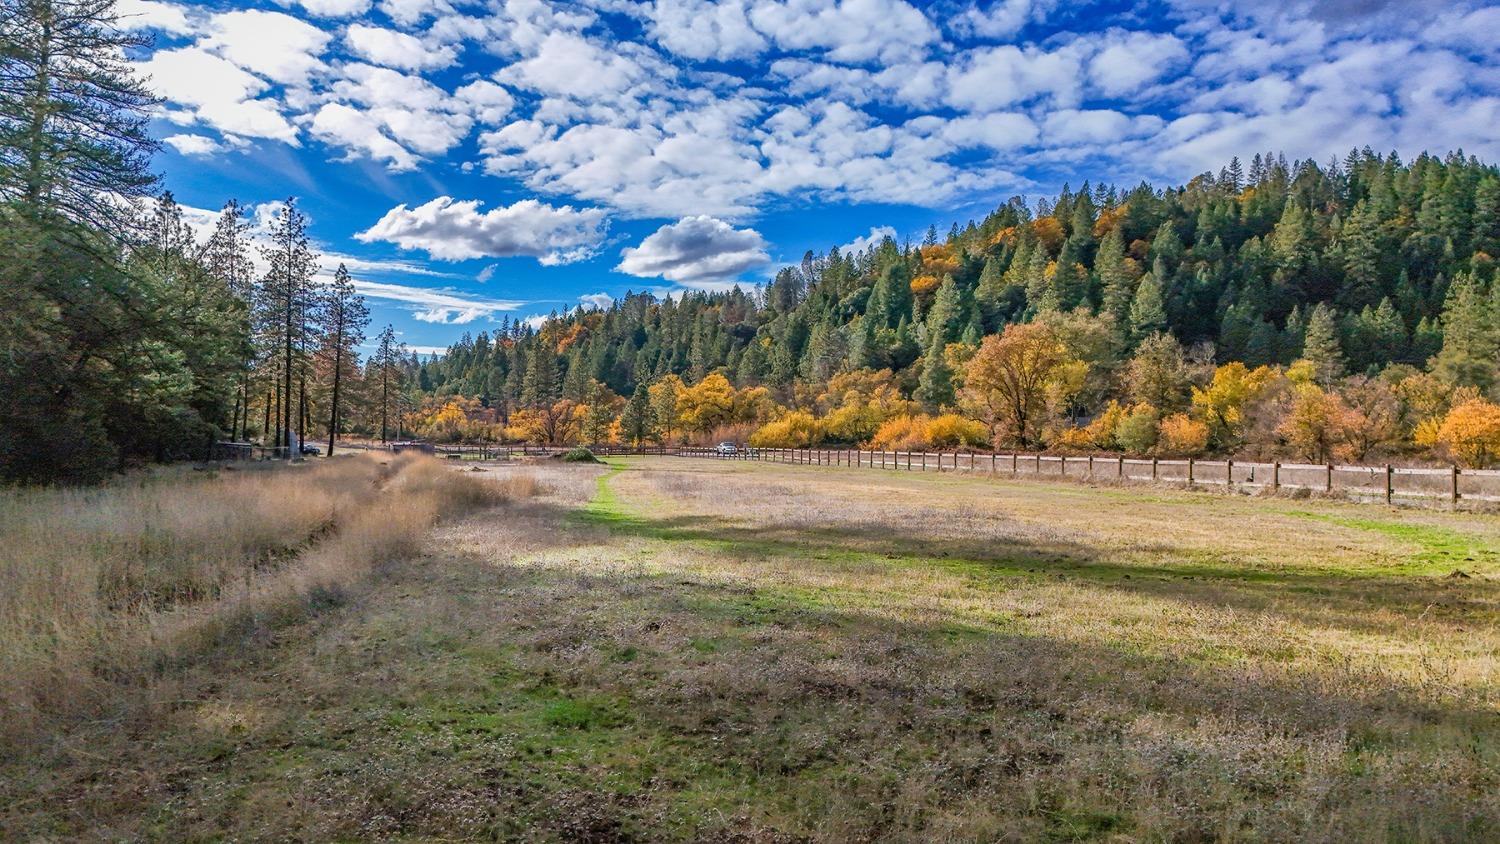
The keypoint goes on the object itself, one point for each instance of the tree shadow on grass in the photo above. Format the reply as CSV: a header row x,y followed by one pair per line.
x,y
1309,597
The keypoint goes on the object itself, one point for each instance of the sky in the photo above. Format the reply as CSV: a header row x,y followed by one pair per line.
x,y
476,160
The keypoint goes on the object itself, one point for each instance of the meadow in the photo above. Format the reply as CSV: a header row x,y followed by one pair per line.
x,y
691,650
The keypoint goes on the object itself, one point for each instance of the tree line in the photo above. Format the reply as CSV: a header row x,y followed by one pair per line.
x,y
1359,298
122,337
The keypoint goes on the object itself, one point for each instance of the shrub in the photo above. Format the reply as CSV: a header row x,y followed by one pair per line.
x,y
901,433
1136,432
1182,436
797,429
951,430
1471,432
579,455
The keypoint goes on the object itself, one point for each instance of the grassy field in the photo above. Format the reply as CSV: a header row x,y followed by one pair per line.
x,y
676,649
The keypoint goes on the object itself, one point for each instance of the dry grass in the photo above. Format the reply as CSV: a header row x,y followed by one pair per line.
x,y
100,589
703,651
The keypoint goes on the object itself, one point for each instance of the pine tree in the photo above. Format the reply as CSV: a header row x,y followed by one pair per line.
x,y
540,388
73,115
1320,345
288,299
637,421
342,320
1471,341
936,386
389,355
1148,313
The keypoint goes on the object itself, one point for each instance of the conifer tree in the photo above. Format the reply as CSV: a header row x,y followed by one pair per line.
x,y
1320,345
342,320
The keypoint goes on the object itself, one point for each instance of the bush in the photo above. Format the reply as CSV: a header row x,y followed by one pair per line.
x,y
901,433
1136,432
797,429
579,455
1182,436
1471,433
951,431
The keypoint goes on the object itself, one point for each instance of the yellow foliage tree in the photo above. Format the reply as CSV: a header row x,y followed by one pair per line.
x,y
1006,382
1471,433
1221,405
950,430
707,404
797,429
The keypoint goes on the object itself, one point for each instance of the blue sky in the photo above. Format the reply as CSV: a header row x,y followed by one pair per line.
x,y
475,159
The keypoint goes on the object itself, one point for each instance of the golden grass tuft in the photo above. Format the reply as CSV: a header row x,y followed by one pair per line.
x,y
102,588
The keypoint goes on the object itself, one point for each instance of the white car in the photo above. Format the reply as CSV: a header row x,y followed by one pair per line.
x,y
727,448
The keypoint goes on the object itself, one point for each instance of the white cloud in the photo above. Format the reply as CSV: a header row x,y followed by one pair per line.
x,y
193,144
996,77
434,305
454,231
999,19
397,49
279,47
487,273
696,250
1132,60
698,29
331,8
153,14
571,66
876,236
597,300
850,30
218,93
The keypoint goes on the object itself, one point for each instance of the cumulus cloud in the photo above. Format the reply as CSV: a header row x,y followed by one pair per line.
x,y
193,144
216,92
877,235
724,108
397,49
597,300
272,45
331,8
452,230
153,14
1132,60
696,251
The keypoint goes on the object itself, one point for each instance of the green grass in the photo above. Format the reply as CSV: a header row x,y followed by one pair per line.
x,y
672,650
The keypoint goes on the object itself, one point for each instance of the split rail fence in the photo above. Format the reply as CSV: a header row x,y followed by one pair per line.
x,y
1380,483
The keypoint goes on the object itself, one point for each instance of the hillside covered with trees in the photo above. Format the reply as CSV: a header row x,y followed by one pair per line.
x,y
1315,311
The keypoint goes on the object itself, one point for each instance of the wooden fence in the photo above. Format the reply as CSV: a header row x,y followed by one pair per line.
x,y
1379,483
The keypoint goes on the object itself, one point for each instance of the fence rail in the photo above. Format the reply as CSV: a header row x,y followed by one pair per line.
x,y
1380,483
1386,483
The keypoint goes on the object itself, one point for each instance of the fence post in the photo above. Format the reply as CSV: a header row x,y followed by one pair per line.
x,y
1390,476
924,461
1038,463
1328,481
1013,459
1190,471
1120,467
1275,475
1229,474
1064,470
1154,471
908,461
992,464
1453,490
1091,467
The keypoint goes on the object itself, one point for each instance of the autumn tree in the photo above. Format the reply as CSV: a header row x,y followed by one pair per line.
x,y
1006,381
1471,432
